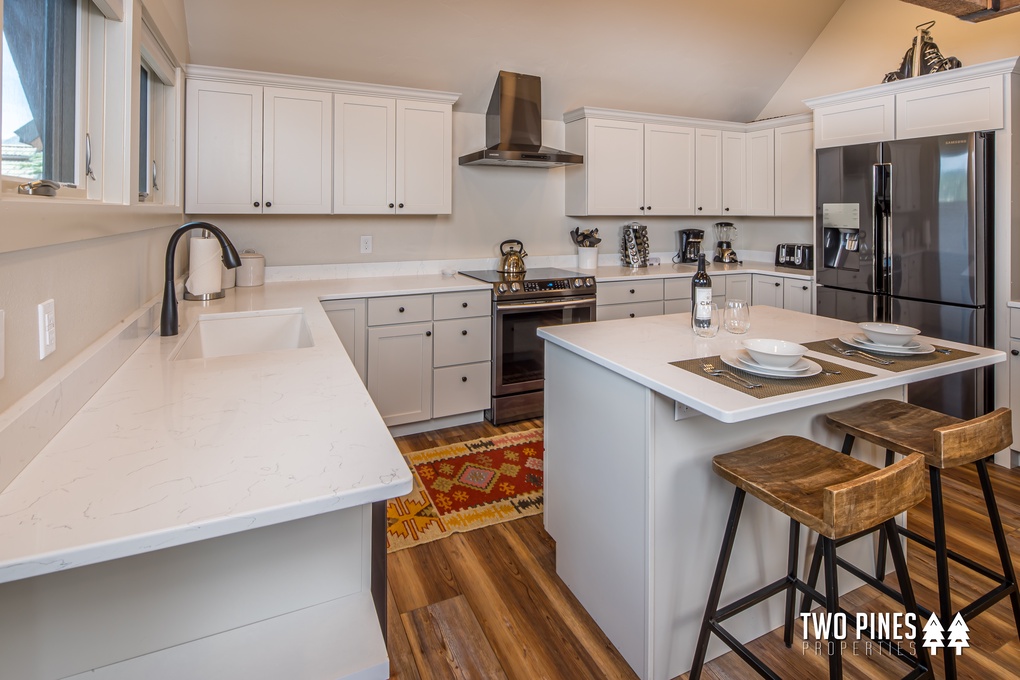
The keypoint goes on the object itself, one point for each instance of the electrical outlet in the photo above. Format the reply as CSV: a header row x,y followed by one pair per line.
x,y
47,329
2,362
366,245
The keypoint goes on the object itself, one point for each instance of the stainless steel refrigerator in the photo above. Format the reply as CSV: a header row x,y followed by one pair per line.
x,y
904,236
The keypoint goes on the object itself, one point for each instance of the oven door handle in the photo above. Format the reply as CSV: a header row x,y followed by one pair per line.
x,y
527,306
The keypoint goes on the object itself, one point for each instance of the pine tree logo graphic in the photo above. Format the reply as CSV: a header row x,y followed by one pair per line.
x,y
959,635
933,635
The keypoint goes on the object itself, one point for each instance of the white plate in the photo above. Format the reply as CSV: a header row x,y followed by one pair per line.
x,y
865,341
732,359
744,357
924,347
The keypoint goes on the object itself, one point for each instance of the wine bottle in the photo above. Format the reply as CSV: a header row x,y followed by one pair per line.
x,y
701,291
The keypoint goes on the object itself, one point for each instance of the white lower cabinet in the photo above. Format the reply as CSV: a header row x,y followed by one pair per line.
x,y
797,295
349,321
738,287
461,389
784,292
766,290
629,299
462,354
400,371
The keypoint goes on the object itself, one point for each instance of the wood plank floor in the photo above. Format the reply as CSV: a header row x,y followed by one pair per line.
x,y
488,604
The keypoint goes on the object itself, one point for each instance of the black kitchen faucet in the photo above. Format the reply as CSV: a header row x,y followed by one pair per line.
x,y
168,321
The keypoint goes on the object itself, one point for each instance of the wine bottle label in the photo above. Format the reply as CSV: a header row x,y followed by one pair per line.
x,y
703,311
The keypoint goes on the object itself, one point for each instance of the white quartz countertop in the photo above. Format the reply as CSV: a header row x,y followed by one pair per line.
x,y
171,452
670,270
642,348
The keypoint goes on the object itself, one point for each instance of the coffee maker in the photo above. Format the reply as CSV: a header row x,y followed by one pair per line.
x,y
690,245
725,235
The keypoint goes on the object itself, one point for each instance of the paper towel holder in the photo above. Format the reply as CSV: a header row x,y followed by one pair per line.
x,y
202,297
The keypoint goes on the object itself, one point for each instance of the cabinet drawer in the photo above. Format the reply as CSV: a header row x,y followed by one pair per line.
x,y
461,389
383,311
680,289
462,304
685,305
462,341
616,292
628,311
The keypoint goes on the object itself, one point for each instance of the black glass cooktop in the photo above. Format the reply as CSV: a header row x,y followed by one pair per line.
x,y
535,274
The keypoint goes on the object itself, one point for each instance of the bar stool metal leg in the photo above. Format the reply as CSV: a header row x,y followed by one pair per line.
x,y
907,590
717,583
791,579
883,539
942,563
832,606
1009,574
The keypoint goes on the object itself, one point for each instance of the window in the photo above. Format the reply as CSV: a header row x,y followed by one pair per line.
x,y
41,57
157,118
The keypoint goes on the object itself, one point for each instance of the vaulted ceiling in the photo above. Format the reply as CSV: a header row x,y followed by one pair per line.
x,y
701,58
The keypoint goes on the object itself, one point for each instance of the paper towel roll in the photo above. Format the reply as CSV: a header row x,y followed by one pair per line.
x,y
204,275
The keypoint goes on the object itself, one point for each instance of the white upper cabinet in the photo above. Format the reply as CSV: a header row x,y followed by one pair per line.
x,y
708,156
611,180
364,151
795,170
734,173
761,172
424,158
297,158
669,170
275,144
223,149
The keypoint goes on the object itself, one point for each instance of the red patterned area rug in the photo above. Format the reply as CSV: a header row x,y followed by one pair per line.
x,y
467,486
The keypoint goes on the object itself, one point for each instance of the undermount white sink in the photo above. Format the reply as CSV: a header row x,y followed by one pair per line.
x,y
223,335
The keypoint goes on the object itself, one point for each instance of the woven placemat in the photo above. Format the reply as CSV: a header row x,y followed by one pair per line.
x,y
774,387
899,363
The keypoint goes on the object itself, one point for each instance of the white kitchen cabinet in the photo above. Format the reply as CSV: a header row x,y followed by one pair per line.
x,y
628,310
734,173
798,295
872,119
966,106
349,319
795,170
1014,384
738,287
708,183
462,376
766,290
761,173
461,389
669,170
391,156
400,371
629,299
254,149
677,294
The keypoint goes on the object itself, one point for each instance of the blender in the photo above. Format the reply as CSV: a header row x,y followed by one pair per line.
x,y
725,235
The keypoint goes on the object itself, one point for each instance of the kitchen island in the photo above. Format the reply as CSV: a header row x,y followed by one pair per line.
x,y
631,500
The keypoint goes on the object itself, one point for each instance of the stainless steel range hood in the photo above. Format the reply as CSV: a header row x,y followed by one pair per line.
x,y
513,127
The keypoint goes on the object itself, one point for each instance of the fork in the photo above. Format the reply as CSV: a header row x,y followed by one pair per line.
x,y
857,352
710,368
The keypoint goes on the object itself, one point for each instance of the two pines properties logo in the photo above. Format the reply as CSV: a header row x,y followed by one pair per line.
x,y
823,631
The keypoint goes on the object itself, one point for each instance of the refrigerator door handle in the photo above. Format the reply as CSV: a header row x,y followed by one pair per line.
x,y
882,188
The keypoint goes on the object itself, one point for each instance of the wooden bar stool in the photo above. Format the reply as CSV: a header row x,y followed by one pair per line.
x,y
830,493
945,442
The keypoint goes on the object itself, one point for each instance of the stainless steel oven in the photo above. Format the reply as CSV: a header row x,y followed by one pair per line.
x,y
544,297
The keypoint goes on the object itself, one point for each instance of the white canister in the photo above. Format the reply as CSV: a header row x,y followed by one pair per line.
x,y
587,258
252,271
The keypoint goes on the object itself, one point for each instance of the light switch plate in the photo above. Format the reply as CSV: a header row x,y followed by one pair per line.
x,y
47,329
3,362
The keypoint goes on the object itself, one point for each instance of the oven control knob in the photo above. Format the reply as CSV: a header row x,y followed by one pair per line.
x,y
577,283
501,289
515,287
589,282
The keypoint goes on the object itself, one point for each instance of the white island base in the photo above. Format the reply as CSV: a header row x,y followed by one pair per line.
x,y
638,515
290,600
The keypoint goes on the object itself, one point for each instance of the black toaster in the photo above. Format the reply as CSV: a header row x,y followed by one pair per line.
x,y
795,255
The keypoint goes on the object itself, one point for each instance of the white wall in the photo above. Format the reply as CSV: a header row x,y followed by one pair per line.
x,y
867,39
490,204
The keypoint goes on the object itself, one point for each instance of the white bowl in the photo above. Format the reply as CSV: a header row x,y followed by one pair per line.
x,y
774,353
891,334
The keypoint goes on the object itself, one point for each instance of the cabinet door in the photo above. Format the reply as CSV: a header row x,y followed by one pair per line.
x,y
669,170
348,319
424,158
615,167
859,122
297,152
462,389
364,154
797,295
400,371
734,173
1014,387
766,290
708,158
761,173
967,106
223,158
738,287
795,171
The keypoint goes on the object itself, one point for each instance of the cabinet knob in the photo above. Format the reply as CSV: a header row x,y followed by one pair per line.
x,y
401,310
463,378
803,287
391,205
1015,352
726,209
777,284
649,208
269,204
256,204
400,205
464,305
463,332
632,315
631,291
700,208
641,208
428,334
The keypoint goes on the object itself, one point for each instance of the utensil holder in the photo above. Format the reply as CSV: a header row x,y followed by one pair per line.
x,y
587,258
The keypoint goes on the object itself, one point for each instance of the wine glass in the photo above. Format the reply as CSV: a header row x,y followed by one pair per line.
x,y
705,319
737,316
